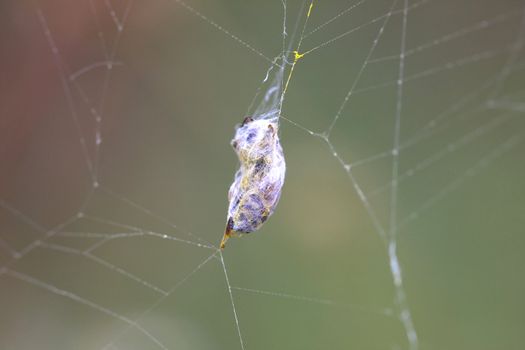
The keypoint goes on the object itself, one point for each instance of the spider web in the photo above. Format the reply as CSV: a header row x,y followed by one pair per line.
x,y
400,222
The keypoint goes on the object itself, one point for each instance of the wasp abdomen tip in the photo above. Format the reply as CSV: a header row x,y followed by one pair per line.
x,y
227,233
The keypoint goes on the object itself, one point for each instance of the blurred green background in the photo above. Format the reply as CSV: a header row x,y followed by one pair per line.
x,y
177,86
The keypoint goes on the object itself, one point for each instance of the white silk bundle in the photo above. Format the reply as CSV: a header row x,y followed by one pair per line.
x,y
256,189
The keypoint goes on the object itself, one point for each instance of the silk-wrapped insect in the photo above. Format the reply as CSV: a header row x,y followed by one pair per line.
x,y
256,189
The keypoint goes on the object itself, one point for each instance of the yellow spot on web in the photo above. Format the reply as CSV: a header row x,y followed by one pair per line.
x,y
298,55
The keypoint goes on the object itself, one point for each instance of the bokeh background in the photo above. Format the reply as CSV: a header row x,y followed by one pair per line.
x,y
162,88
